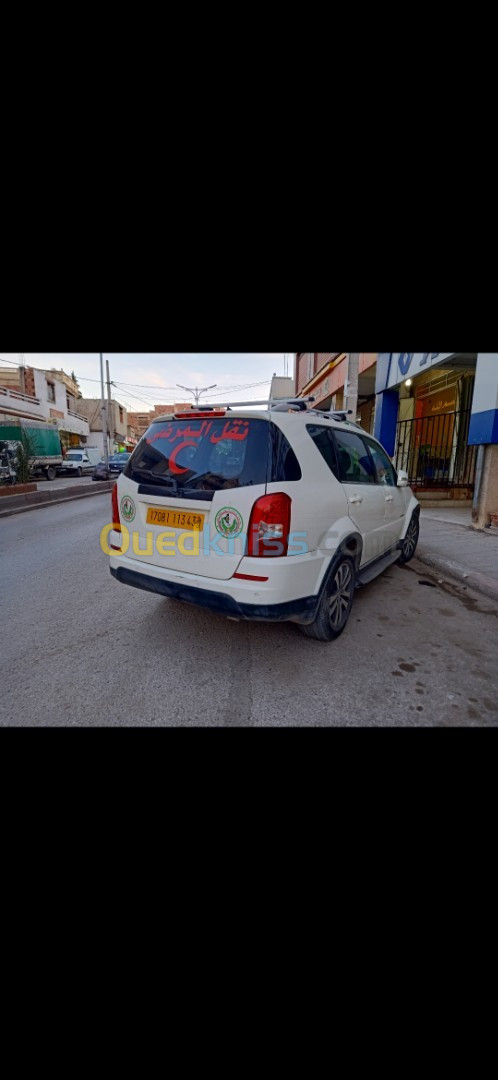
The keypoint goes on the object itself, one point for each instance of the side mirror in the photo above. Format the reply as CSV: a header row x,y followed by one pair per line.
x,y
403,479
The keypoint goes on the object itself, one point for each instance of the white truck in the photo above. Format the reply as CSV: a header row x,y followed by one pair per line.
x,y
80,459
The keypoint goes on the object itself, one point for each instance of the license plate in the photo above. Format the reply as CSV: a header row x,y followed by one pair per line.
x,y
177,519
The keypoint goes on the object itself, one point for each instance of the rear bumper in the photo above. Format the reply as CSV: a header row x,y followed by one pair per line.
x,y
300,610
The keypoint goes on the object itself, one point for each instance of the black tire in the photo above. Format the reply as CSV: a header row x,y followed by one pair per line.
x,y
336,603
411,539
79,473
50,473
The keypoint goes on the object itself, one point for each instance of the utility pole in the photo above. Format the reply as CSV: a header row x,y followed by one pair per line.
x,y
351,384
104,414
110,415
195,390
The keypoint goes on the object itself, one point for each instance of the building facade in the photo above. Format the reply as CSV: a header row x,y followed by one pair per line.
x,y
50,396
437,416
339,381
282,386
117,423
140,421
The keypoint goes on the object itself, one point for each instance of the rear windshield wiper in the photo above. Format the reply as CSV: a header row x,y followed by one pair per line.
x,y
164,481
213,481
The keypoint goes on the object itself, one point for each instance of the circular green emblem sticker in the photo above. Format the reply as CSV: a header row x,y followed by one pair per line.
x,y
228,522
127,509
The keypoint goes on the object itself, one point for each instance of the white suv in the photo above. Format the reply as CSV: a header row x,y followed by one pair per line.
x,y
271,514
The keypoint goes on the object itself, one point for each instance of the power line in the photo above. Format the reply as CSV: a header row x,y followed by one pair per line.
x,y
151,401
154,386
133,398
143,398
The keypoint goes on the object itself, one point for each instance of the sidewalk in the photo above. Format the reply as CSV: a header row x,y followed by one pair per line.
x,y
50,494
450,545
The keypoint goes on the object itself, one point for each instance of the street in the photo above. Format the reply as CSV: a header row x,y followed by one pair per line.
x,y
66,481
80,649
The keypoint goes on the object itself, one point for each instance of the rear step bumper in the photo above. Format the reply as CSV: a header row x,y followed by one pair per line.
x,y
302,610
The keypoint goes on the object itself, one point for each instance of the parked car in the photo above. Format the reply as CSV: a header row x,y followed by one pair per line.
x,y
117,462
80,459
276,514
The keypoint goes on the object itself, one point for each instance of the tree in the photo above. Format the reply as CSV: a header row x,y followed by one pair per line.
x,y
76,383
25,455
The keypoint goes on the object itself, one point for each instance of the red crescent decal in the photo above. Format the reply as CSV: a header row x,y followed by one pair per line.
x,y
172,460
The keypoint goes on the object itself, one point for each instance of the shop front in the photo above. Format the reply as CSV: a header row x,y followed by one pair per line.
x,y
423,416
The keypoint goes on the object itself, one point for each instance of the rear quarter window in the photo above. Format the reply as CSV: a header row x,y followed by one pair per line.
x,y
284,463
324,442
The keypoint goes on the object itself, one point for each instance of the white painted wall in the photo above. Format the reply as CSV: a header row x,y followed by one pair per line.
x,y
69,423
486,384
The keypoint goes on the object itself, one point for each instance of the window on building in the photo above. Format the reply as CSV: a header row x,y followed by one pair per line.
x,y
121,415
322,438
50,391
354,461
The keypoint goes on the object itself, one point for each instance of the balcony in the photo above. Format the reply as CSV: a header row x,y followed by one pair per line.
x,y
18,404
79,416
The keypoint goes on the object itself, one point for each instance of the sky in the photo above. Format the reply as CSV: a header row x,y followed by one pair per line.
x,y
146,379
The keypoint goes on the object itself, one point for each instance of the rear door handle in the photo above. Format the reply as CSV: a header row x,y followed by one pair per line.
x,y
356,499
389,498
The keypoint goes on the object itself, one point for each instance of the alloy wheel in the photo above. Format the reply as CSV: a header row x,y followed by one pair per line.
x,y
410,540
340,596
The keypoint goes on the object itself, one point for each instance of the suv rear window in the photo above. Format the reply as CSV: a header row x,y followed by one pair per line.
x,y
194,458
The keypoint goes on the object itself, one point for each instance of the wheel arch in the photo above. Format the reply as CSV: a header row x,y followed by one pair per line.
x,y
412,510
351,544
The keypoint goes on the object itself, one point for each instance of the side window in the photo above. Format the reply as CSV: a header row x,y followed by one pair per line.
x,y
384,471
284,463
322,438
355,464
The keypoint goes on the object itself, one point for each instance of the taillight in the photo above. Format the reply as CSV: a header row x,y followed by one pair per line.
x,y
115,515
269,526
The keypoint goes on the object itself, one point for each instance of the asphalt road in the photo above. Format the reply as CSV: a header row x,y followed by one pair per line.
x,y
78,648
42,484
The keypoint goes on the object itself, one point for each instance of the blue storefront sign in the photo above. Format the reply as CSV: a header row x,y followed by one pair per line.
x,y
394,368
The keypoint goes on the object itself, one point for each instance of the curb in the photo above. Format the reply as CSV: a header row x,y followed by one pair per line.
x,y
472,578
47,500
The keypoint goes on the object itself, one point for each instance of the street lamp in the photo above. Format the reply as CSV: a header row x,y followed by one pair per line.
x,y
195,390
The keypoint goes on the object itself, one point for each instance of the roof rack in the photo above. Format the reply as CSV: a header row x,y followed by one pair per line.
x,y
273,404
283,404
